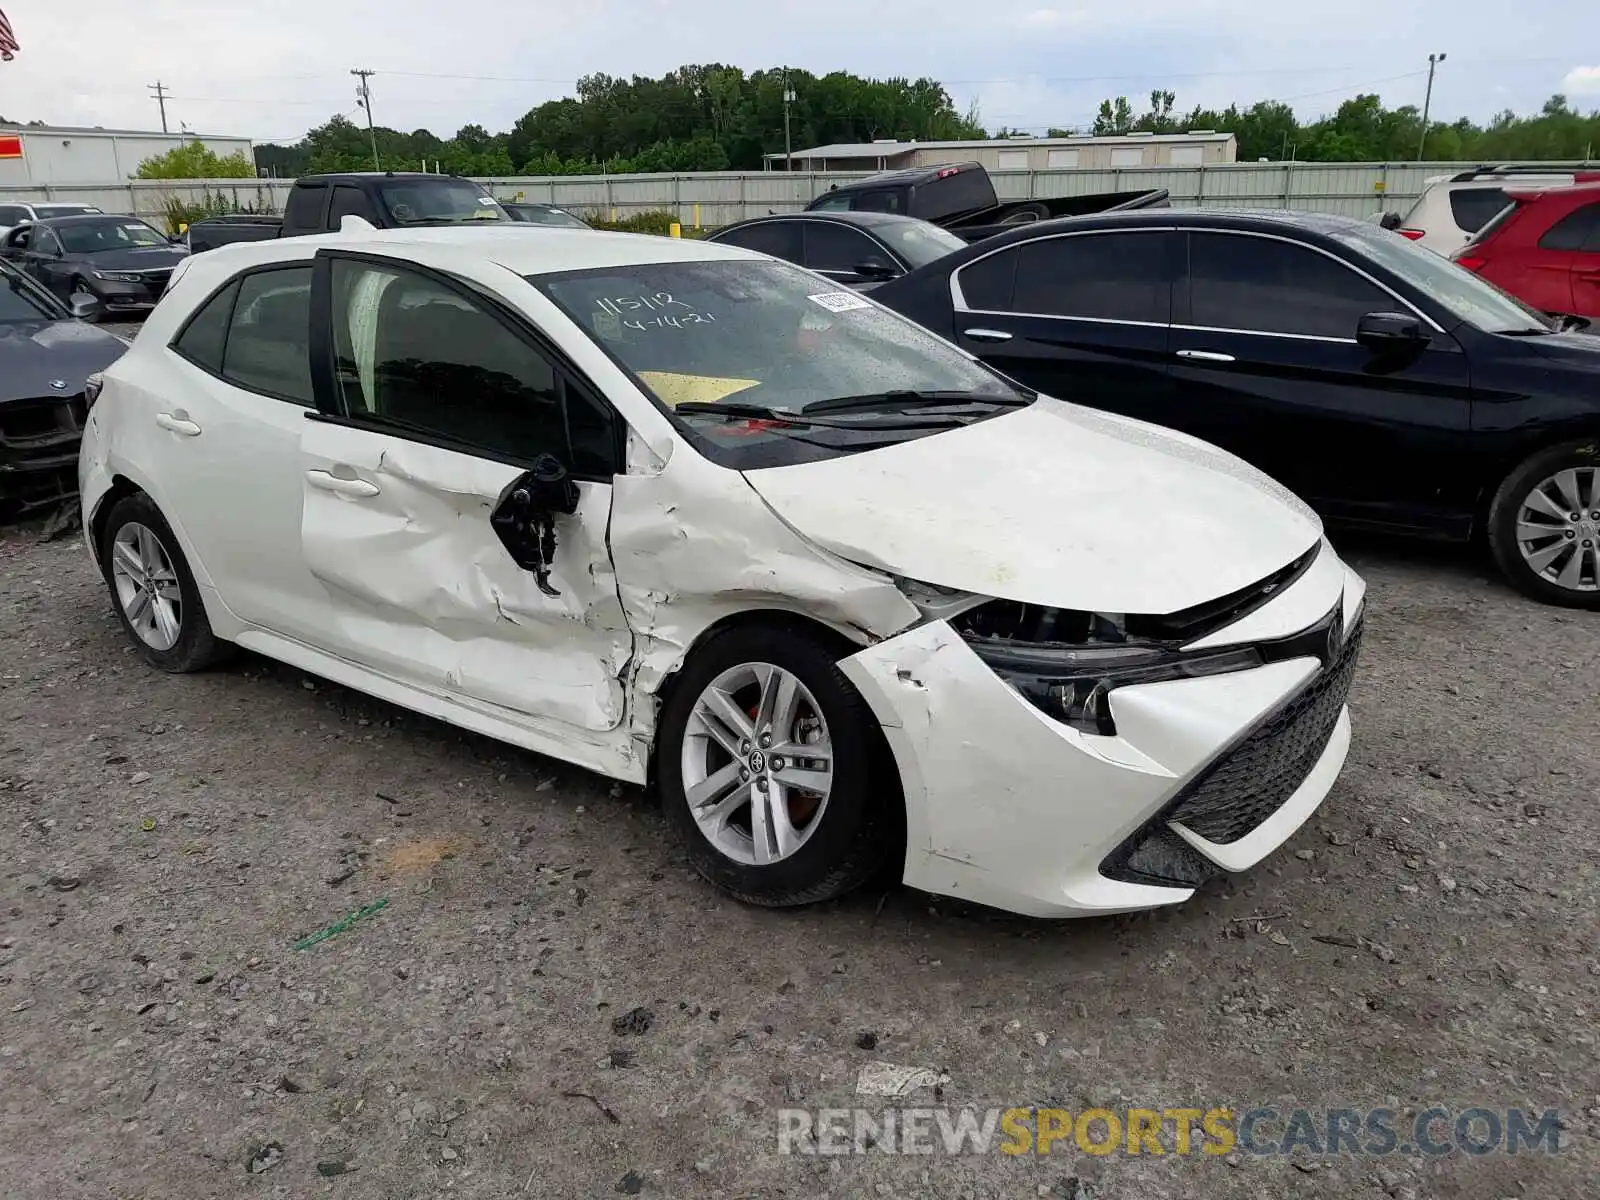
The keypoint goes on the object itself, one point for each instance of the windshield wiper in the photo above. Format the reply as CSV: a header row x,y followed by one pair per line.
x,y
901,400
761,412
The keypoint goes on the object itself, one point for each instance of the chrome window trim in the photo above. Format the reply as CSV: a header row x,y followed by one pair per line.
x,y
959,303
1296,337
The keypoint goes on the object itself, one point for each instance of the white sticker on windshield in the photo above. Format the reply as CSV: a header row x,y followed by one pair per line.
x,y
838,301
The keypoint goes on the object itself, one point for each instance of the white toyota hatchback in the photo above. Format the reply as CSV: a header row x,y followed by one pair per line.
x,y
684,513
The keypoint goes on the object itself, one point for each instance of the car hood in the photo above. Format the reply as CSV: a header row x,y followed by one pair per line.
x,y
147,258
1055,505
34,355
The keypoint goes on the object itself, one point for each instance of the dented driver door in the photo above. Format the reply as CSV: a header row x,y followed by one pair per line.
x,y
457,494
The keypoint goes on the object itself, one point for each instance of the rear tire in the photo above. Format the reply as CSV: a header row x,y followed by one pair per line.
x,y
1544,525
153,590
753,829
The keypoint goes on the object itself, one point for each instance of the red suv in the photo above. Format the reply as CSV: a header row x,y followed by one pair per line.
x,y
1543,248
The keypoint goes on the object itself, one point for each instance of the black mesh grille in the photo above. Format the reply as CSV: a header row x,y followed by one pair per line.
x,y
1248,784
39,452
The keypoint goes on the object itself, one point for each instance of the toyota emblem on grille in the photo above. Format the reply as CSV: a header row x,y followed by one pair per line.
x,y
58,385
1335,636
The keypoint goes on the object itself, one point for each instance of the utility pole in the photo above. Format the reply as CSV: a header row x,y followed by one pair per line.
x,y
160,93
788,99
364,95
1433,61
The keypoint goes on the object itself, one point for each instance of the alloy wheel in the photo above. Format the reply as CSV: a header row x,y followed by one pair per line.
x,y
147,586
1558,529
757,763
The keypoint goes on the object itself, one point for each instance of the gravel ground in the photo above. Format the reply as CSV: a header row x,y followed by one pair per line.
x,y
551,1005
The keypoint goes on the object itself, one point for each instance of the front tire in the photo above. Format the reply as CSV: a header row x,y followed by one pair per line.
x,y
770,769
153,590
1544,525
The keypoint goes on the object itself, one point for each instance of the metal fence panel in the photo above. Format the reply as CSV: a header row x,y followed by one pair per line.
x,y
718,198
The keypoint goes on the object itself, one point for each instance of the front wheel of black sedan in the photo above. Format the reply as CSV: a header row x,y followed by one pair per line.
x,y
770,769
153,590
1544,525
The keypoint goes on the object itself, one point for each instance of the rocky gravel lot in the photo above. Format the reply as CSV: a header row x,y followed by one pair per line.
x,y
549,1004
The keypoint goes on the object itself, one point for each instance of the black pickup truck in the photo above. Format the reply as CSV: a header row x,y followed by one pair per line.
x,y
961,198
386,200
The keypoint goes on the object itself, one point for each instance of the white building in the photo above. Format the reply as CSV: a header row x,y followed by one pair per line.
x,y
38,156
1199,147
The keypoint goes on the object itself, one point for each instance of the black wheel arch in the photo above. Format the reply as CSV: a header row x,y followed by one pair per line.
x,y
796,622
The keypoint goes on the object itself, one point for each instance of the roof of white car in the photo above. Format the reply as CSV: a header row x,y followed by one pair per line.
x,y
525,249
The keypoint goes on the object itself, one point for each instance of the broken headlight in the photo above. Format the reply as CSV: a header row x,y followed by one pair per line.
x,y
1072,683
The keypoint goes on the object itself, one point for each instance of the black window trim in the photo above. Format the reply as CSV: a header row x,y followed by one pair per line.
x,y
1188,306
958,301
865,232
332,410
238,278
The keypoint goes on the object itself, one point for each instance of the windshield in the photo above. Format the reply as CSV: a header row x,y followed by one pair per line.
x,y
21,301
538,214
112,233
1463,294
439,201
919,242
765,333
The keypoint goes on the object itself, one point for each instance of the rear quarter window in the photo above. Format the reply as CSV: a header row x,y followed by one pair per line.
x,y
1577,230
1473,208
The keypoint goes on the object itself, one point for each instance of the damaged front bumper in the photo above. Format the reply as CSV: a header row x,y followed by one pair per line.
x,y
39,441
1008,807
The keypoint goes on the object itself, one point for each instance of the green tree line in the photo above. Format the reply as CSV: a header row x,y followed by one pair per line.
x,y
697,118
1363,130
715,117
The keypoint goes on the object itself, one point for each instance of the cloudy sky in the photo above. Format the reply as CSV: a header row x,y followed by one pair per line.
x,y
269,69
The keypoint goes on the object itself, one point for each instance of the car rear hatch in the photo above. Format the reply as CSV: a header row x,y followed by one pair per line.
x,y
1471,255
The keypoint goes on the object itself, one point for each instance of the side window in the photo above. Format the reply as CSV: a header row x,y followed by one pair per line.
x,y
781,239
833,204
268,344
1263,285
1578,230
12,214
203,338
833,247
1107,277
46,242
1473,208
989,283
303,210
418,356
350,202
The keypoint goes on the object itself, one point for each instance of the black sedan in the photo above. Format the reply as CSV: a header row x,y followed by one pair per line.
x,y
543,214
861,249
1378,380
121,261
46,356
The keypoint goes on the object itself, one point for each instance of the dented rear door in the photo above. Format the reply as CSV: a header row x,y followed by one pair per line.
x,y
446,564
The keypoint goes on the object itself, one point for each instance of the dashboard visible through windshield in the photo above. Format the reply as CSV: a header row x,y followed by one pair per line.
x,y
763,341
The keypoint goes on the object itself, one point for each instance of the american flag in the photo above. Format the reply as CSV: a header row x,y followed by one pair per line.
x,y
8,40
